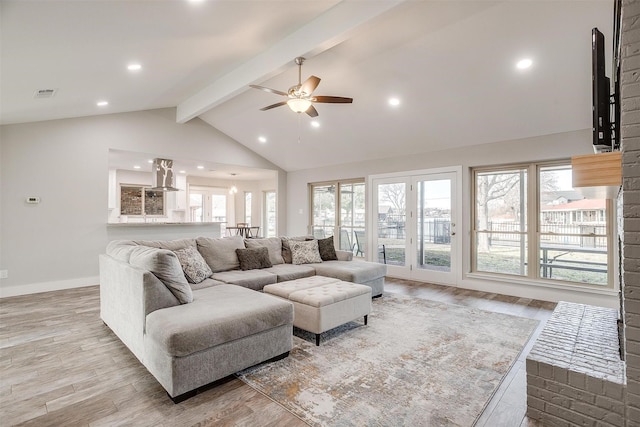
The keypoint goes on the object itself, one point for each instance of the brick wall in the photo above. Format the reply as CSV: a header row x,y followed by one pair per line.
x,y
630,124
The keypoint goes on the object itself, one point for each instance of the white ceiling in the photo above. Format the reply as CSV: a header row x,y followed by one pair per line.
x,y
451,63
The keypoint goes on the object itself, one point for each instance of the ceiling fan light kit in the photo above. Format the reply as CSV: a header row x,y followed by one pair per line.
x,y
300,96
299,105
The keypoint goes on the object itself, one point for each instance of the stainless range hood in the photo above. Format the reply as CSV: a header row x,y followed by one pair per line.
x,y
162,175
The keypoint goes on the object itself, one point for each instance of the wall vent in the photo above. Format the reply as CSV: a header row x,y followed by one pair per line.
x,y
44,93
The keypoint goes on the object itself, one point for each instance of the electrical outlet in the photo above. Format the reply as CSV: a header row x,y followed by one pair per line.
x,y
4,274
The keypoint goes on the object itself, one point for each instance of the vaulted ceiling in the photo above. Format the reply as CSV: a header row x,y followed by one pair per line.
x,y
451,65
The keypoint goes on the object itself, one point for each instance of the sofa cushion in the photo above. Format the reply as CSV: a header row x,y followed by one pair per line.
x,y
305,252
253,258
351,271
252,279
327,249
194,266
273,245
165,266
220,253
286,246
286,272
236,313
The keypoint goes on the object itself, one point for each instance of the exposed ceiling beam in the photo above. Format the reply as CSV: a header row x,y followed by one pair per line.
x,y
327,30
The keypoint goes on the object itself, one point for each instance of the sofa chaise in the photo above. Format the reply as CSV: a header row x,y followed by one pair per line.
x,y
189,309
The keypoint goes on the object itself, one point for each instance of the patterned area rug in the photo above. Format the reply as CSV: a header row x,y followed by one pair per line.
x,y
417,363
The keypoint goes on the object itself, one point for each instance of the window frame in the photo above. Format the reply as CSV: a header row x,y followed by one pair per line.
x,y
533,230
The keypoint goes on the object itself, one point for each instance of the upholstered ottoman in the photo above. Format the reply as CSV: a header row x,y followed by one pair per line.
x,y
323,303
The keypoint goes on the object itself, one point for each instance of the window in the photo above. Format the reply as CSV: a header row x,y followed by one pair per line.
x,y
338,209
208,204
529,221
136,200
247,207
270,214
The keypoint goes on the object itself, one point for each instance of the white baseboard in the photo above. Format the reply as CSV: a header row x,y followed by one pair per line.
x,y
35,288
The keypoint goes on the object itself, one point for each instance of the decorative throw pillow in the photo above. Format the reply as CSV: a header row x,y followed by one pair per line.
x,y
165,266
253,258
194,266
326,249
305,252
286,246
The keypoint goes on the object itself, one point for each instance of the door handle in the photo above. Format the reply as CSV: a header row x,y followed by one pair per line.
x,y
453,234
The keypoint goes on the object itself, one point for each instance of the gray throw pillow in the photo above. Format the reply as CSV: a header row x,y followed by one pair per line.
x,y
305,252
165,266
326,249
194,266
253,258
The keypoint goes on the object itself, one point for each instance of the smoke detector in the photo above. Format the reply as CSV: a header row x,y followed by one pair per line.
x,y
44,93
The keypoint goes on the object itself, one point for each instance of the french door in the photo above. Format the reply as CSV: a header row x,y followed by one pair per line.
x,y
416,225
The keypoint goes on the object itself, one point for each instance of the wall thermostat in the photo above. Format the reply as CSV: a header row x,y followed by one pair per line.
x,y
33,200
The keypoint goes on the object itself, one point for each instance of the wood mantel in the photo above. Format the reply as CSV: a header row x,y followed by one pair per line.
x,y
598,175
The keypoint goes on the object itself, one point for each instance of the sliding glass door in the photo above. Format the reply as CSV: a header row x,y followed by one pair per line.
x,y
338,209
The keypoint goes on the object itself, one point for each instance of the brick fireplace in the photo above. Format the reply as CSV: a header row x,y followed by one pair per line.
x,y
574,375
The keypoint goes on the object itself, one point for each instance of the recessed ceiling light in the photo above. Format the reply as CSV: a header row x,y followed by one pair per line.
x,y
200,167
102,103
523,64
136,166
183,171
315,124
394,102
134,67
262,139
149,161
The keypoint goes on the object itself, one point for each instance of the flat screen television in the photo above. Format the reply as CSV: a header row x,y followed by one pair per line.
x,y
601,93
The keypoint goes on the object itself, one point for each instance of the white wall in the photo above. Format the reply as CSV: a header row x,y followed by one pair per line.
x,y
65,162
549,147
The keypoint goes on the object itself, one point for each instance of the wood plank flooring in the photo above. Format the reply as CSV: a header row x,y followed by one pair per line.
x,y
61,366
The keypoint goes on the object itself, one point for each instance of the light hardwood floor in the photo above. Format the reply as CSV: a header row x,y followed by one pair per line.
x,y
61,366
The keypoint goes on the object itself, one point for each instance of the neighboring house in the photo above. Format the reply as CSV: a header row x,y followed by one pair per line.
x,y
579,212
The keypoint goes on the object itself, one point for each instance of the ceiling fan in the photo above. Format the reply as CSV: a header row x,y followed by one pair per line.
x,y
300,97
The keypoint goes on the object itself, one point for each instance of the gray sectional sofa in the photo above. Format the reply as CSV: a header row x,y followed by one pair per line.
x,y
189,311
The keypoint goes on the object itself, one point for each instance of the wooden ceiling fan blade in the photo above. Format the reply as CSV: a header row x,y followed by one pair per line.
x,y
312,112
267,89
332,99
278,104
310,85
